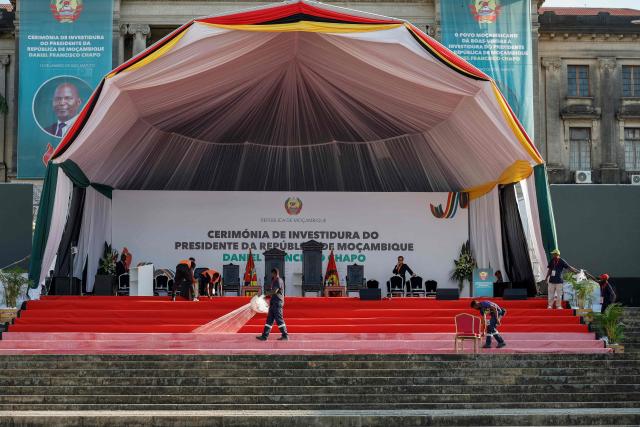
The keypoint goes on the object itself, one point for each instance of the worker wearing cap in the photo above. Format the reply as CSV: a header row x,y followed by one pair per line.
x,y
210,279
607,294
184,275
554,278
495,313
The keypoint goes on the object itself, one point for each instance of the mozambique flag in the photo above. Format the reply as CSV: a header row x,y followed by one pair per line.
x,y
331,276
250,276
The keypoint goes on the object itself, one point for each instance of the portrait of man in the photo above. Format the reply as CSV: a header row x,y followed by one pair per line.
x,y
66,104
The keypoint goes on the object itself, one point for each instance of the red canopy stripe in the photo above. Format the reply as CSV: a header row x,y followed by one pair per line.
x,y
269,14
79,123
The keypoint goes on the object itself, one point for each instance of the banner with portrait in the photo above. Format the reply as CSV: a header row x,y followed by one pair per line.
x,y
495,36
65,49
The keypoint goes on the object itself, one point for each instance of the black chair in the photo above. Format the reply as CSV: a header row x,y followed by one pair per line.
x,y
312,267
355,278
416,287
161,285
372,284
230,279
430,288
123,284
395,286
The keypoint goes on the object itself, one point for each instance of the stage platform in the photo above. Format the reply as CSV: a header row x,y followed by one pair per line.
x,y
156,325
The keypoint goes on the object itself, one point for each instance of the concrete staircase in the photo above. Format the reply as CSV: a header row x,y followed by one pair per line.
x,y
321,390
631,319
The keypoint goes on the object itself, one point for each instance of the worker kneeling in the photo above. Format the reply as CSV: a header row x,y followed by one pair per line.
x,y
210,280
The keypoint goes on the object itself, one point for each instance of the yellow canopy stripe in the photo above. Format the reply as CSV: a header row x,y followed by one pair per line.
x,y
519,170
309,27
155,55
514,126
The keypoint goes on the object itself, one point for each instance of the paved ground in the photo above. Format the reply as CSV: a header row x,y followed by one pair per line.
x,y
310,418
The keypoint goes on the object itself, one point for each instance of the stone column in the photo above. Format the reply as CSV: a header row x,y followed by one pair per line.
x,y
609,173
140,34
4,62
124,30
555,150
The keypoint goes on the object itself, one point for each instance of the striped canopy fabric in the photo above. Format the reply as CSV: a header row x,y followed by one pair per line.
x,y
299,96
295,96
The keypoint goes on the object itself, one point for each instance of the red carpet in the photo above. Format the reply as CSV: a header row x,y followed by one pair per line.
x,y
147,325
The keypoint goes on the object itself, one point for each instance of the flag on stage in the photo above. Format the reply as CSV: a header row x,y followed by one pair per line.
x,y
331,276
250,276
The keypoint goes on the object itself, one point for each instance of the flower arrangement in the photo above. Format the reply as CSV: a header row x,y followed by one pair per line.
x,y
108,261
463,266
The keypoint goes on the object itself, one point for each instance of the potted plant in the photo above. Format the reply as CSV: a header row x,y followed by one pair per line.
x,y
463,266
583,290
608,324
15,284
106,279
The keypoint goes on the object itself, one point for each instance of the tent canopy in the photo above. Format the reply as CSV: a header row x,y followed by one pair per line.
x,y
299,96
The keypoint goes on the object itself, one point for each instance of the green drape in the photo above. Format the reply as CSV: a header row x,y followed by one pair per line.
x,y
43,223
545,209
45,211
79,179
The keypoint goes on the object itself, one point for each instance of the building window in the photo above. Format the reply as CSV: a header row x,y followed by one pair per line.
x,y
632,149
580,149
578,80
631,80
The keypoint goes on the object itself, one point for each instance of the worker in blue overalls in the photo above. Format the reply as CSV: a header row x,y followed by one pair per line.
x,y
496,313
275,307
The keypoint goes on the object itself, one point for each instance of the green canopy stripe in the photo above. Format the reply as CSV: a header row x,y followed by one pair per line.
x,y
43,223
545,209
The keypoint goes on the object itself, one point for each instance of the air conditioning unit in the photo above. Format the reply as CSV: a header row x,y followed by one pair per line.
x,y
583,177
635,179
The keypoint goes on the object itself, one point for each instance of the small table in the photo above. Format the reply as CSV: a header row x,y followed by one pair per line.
x,y
340,290
249,291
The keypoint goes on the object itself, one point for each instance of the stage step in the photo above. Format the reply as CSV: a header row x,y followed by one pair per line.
x,y
303,315
398,390
242,343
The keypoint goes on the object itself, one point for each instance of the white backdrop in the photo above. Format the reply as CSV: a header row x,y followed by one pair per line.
x,y
216,228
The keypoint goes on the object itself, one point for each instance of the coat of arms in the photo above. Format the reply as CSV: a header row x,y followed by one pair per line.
x,y
66,11
293,205
485,11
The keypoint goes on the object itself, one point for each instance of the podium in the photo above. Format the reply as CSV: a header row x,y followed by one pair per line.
x,y
141,281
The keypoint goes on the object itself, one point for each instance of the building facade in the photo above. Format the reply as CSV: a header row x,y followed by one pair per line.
x,y
586,75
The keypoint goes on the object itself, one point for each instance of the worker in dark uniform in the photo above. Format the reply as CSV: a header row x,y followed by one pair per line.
x,y
184,276
275,308
496,313
607,294
210,279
